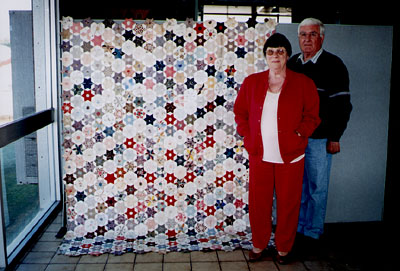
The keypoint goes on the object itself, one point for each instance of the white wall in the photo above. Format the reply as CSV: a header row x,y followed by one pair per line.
x,y
357,185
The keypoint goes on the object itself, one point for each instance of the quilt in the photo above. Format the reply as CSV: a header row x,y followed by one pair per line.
x,y
151,157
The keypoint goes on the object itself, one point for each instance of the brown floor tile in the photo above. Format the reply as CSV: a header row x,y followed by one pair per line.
x,y
200,256
119,267
124,258
90,267
151,257
60,267
262,266
268,257
46,246
49,237
177,257
205,266
43,255
231,256
54,227
38,257
148,267
177,266
295,266
93,259
58,219
62,259
234,266
31,267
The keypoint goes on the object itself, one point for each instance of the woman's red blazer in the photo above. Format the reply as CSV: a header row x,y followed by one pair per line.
x,y
298,110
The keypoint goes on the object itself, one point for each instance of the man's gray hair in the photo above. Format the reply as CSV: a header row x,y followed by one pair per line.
x,y
312,21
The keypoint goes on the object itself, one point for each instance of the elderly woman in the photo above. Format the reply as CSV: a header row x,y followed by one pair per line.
x,y
275,111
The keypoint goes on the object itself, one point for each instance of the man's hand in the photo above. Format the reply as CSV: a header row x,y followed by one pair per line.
x,y
333,147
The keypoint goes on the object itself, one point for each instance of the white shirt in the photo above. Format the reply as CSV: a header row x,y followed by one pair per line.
x,y
313,59
269,130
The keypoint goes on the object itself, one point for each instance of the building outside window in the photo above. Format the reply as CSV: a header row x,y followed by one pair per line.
x,y
221,13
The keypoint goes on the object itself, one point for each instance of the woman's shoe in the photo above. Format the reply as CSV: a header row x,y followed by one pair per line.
x,y
255,256
286,259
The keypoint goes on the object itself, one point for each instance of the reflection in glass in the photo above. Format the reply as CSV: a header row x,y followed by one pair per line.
x,y
16,60
19,180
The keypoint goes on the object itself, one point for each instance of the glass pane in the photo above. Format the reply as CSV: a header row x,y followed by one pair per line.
x,y
215,9
19,180
239,9
218,18
265,13
285,19
227,9
16,60
240,18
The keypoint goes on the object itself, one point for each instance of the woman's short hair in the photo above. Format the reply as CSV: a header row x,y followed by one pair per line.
x,y
312,21
278,40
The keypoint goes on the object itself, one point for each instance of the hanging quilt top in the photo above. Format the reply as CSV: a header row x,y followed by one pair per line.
x,y
152,160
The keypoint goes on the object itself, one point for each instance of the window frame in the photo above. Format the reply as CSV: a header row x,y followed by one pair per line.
x,y
45,121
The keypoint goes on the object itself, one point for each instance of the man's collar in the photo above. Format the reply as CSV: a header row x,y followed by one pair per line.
x,y
313,59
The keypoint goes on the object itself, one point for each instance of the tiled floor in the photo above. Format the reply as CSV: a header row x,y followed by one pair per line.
x,y
332,255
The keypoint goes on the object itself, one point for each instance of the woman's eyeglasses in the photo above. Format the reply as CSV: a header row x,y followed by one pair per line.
x,y
279,52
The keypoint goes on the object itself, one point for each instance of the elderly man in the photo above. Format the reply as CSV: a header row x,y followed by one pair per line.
x,y
332,80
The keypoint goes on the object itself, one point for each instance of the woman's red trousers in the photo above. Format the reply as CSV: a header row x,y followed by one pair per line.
x,y
287,180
